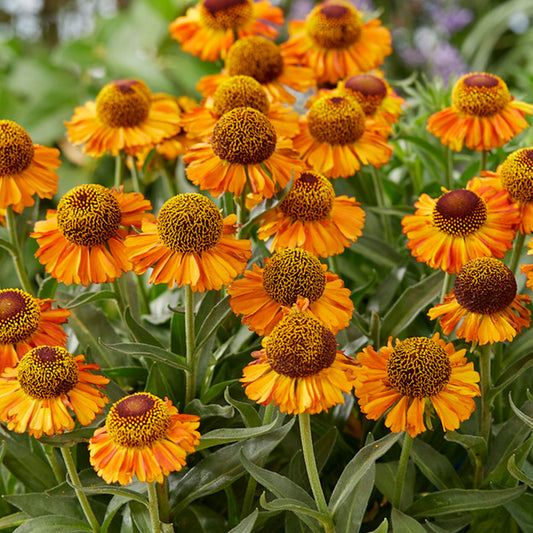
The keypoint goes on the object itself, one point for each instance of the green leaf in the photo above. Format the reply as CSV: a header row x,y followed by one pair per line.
x,y
247,524
7,246
89,297
410,303
401,523
12,520
280,486
435,466
196,407
522,416
511,372
177,333
357,468
376,251
38,504
351,512
475,445
139,332
386,481
460,500
57,524
217,315
382,528
426,146
47,288
141,516
227,435
521,510
247,411
221,468
139,349
114,490
286,504
164,381
517,473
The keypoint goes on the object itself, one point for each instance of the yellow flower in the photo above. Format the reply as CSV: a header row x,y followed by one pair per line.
x,y
416,374
144,436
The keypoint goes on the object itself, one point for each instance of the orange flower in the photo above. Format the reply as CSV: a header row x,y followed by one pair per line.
x,y
336,43
25,168
313,218
263,294
515,175
209,29
144,436
414,375
233,159
190,244
299,367
460,225
483,303
126,116
335,138
47,383
239,91
27,322
483,114
264,61
83,241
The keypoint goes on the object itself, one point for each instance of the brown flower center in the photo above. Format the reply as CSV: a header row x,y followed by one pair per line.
x,y
240,91
47,372
517,175
257,57
20,315
334,25
225,14
368,90
459,213
16,149
418,367
123,103
138,420
481,95
89,215
244,136
300,346
291,273
336,120
485,285
310,199
189,223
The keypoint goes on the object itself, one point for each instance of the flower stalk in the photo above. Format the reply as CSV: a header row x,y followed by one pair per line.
x,y
190,386
153,507
402,470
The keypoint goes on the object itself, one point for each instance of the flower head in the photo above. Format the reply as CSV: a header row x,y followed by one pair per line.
x,y
335,138
484,303
189,244
209,29
263,294
336,42
299,367
412,376
313,218
83,240
233,160
263,60
27,322
483,114
143,436
25,168
239,91
460,225
515,175
126,116
47,383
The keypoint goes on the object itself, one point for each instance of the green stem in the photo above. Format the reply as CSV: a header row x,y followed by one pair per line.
x,y
190,390
162,496
52,461
402,469
448,177
380,198
153,507
484,372
483,163
518,246
117,289
135,177
82,498
119,170
241,212
252,483
312,470
16,251
447,285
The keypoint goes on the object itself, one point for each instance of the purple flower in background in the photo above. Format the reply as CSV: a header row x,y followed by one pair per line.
x,y
446,61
